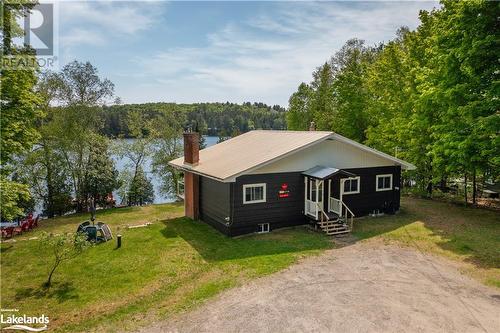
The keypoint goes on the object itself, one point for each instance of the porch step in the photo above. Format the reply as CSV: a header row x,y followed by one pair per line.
x,y
334,227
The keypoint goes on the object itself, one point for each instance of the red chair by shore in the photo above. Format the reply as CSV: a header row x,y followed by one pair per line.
x,y
7,232
25,225
17,231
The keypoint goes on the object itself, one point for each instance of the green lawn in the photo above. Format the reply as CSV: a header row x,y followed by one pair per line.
x,y
164,268
470,236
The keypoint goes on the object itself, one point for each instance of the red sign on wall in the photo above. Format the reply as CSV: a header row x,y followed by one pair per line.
x,y
284,192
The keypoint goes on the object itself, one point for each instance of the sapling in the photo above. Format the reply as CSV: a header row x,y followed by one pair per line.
x,y
62,247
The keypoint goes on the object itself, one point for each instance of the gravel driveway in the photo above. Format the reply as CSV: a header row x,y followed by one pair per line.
x,y
365,287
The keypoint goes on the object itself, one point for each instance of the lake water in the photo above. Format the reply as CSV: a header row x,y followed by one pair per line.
x,y
121,164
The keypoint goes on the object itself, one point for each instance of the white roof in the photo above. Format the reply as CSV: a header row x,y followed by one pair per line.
x,y
234,157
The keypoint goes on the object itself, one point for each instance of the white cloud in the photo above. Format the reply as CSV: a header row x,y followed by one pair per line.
x,y
266,58
79,36
94,22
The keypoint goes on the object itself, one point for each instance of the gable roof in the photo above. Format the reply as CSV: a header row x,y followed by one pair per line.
x,y
248,151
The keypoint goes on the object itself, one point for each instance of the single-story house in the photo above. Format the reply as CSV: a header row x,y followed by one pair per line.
x,y
267,179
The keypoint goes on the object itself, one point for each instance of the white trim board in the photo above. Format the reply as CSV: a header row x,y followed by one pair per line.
x,y
264,196
377,189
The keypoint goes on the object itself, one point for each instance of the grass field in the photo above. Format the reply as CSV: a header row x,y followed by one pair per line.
x,y
164,268
469,236
175,263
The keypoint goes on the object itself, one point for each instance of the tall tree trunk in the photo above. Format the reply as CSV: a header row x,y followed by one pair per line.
x,y
465,189
474,187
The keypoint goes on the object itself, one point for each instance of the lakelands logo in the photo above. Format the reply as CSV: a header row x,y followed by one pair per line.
x,y
24,322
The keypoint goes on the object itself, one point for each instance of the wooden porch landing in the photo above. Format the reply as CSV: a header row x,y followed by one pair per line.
x,y
335,225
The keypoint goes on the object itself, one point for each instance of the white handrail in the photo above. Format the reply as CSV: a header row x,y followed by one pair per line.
x,y
351,220
347,208
320,209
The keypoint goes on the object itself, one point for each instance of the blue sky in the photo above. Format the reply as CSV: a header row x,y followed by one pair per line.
x,y
219,51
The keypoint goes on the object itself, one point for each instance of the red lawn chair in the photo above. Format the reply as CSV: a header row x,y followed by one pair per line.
x,y
31,223
17,231
25,225
7,232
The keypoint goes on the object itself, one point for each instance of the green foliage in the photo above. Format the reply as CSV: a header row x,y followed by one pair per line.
x,y
72,156
224,119
12,197
350,95
78,83
167,146
336,99
298,116
63,247
465,85
321,105
141,191
100,173
18,110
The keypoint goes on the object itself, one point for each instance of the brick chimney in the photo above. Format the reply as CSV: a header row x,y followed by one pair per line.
x,y
191,148
191,180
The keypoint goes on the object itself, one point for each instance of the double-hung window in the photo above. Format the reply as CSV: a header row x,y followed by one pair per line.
x,y
254,193
384,182
351,185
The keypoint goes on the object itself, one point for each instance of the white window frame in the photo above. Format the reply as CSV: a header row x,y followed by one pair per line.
x,y
351,178
264,188
383,176
262,228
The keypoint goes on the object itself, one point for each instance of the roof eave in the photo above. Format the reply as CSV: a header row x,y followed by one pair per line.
x,y
190,169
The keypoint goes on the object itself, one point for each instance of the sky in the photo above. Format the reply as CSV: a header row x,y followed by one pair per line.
x,y
185,52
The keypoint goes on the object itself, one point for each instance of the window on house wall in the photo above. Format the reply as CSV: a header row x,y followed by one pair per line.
x,y
351,185
254,193
384,182
263,227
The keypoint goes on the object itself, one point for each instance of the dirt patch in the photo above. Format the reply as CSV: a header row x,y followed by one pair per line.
x,y
365,287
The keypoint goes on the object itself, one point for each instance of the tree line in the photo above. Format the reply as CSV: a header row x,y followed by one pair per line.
x,y
429,96
215,119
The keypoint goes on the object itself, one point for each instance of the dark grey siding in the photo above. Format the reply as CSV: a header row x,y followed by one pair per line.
x,y
278,212
220,200
369,199
215,203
